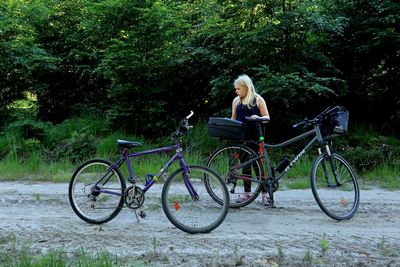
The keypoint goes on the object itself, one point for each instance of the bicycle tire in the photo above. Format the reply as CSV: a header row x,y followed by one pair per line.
x,y
221,161
91,206
188,214
341,199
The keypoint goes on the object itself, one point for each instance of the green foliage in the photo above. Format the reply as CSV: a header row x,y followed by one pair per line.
x,y
28,128
62,147
140,66
324,245
18,51
366,149
76,148
144,63
308,257
26,256
367,54
385,175
386,249
89,125
299,90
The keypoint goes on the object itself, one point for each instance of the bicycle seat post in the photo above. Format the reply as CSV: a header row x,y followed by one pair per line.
x,y
259,129
125,156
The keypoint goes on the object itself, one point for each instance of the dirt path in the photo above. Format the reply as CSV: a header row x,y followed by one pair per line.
x,y
296,233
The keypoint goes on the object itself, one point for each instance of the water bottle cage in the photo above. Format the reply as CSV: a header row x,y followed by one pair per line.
x,y
148,177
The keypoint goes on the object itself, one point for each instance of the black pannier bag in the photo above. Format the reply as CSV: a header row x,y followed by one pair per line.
x,y
335,122
226,128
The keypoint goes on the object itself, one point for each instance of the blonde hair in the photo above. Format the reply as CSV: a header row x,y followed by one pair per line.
x,y
244,80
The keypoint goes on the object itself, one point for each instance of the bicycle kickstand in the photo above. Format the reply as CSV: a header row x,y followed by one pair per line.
x,y
136,214
271,196
139,212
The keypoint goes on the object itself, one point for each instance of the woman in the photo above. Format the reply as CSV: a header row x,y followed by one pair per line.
x,y
248,103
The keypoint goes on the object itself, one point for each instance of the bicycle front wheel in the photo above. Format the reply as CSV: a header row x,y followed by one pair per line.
x,y
225,161
96,191
188,205
339,196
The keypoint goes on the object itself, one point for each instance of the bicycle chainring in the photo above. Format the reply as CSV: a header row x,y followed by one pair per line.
x,y
275,185
133,197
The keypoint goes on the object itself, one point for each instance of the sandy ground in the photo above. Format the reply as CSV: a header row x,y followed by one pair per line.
x,y
296,233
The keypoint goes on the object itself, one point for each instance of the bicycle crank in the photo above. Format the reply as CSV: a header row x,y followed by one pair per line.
x,y
274,184
133,197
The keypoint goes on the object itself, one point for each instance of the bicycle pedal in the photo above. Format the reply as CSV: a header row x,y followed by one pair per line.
x,y
142,214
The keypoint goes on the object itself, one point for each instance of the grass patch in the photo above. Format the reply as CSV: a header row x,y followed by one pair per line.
x,y
29,257
299,183
386,176
38,151
386,249
34,169
298,177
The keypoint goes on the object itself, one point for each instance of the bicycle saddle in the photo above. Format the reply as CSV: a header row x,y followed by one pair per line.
x,y
127,144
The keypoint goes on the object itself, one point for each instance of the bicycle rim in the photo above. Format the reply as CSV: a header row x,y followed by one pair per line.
x,y
85,197
225,162
200,214
338,198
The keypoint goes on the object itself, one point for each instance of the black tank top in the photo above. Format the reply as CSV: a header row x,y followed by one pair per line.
x,y
242,111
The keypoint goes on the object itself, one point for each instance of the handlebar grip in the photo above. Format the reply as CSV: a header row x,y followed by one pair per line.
x,y
303,122
257,119
190,115
298,124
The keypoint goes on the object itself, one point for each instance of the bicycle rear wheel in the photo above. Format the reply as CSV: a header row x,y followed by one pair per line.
x,y
198,212
338,198
96,191
225,162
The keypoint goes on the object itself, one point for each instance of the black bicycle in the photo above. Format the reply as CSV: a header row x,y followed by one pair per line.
x,y
333,181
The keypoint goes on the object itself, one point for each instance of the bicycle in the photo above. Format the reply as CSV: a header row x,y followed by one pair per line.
x,y
333,181
97,191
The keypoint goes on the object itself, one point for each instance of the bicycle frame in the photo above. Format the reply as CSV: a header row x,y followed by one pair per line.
x,y
265,160
126,157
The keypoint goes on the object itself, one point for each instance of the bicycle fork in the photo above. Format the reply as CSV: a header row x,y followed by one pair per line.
x,y
331,163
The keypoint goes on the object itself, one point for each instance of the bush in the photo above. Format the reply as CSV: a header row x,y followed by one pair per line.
x,y
29,128
80,146
28,147
366,149
365,159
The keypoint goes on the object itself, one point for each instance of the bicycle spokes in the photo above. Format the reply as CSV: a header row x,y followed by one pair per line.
x,y
335,188
331,175
231,162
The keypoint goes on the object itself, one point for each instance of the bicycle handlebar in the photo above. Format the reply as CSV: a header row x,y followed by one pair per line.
x,y
304,121
183,127
307,122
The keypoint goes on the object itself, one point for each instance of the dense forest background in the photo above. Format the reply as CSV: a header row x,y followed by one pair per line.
x,y
141,65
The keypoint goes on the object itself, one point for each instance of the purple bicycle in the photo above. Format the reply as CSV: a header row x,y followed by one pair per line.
x,y
98,191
